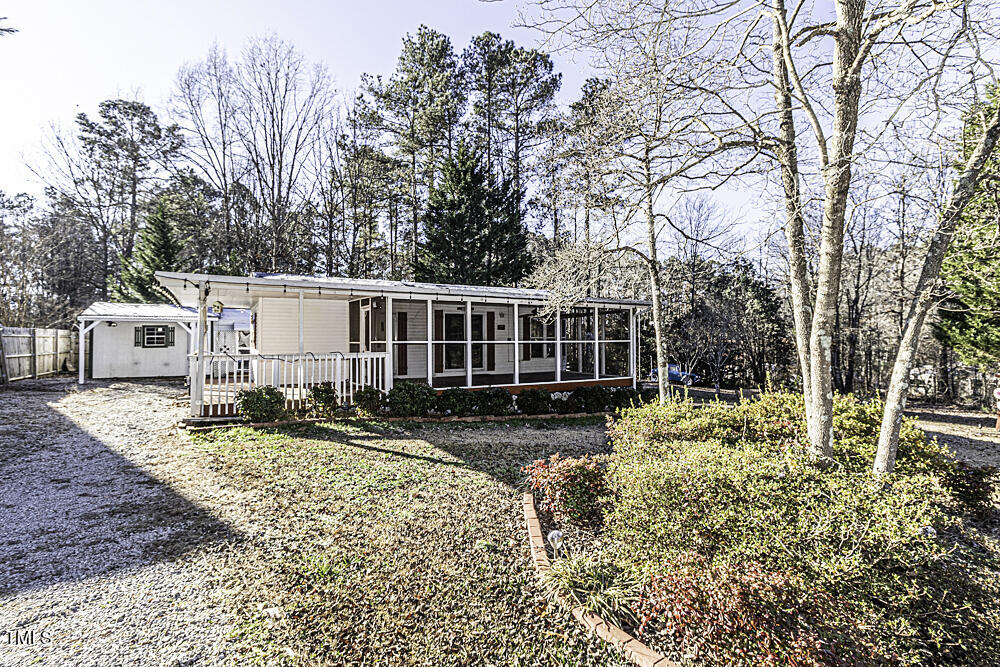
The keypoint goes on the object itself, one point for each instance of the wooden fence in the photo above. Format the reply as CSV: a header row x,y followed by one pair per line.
x,y
34,353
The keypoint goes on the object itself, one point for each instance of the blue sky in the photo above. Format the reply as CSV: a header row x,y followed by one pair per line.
x,y
71,54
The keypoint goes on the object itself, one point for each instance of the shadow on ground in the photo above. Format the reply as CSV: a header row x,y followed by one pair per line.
x,y
74,506
496,448
945,416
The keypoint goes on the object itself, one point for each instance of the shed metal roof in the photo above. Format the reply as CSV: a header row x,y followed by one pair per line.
x,y
139,311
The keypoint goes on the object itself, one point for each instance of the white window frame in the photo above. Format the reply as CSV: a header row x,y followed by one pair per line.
x,y
150,331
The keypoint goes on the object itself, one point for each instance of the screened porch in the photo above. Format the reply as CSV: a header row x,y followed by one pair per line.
x,y
468,343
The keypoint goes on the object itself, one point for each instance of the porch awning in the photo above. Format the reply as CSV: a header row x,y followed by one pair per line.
x,y
238,291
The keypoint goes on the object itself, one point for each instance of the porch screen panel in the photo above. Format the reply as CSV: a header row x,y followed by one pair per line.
x,y
578,324
577,351
449,344
614,360
613,324
492,344
354,326
378,315
409,334
537,349
577,361
613,327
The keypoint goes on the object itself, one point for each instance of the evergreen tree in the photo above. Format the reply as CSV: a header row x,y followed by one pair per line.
x,y
473,231
157,250
969,321
420,107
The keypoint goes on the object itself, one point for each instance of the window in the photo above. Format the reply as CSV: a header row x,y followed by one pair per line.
x,y
154,336
454,329
544,331
454,326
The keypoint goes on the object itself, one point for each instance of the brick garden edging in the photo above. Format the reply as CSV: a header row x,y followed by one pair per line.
x,y
633,649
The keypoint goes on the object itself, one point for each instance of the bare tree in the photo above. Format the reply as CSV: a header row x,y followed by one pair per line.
x,y
282,102
925,297
205,102
757,71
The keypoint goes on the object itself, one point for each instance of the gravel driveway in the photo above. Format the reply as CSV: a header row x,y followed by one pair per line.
x,y
108,554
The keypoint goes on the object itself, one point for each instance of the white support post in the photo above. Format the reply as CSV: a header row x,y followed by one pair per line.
x,y
632,347
430,345
558,346
517,344
389,347
597,343
300,362
302,331
81,360
198,383
468,343
82,352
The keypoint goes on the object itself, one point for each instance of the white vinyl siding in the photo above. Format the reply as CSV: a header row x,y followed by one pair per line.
x,y
115,354
325,323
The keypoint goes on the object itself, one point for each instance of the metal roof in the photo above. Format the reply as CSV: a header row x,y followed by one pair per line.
x,y
365,287
238,318
105,310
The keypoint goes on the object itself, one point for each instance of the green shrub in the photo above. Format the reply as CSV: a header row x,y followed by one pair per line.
x,y
534,402
324,399
411,399
732,615
649,395
622,397
571,489
597,585
369,402
974,488
456,402
588,399
261,404
494,401
736,487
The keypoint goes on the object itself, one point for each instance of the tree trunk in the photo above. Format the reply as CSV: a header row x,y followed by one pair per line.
x,y
795,224
654,281
837,183
895,400
413,203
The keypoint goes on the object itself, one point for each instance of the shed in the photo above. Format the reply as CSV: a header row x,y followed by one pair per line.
x,y
133,340
130,340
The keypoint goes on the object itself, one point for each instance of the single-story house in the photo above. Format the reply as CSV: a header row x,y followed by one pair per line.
x,y
133,340
306,330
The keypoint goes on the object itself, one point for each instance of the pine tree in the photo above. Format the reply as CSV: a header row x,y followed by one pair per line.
x,y
158,250
969,321
473,231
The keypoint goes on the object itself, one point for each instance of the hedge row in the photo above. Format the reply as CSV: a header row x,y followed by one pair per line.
x,y
412,399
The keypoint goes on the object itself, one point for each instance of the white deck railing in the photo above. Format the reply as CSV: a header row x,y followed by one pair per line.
x,y
214,393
